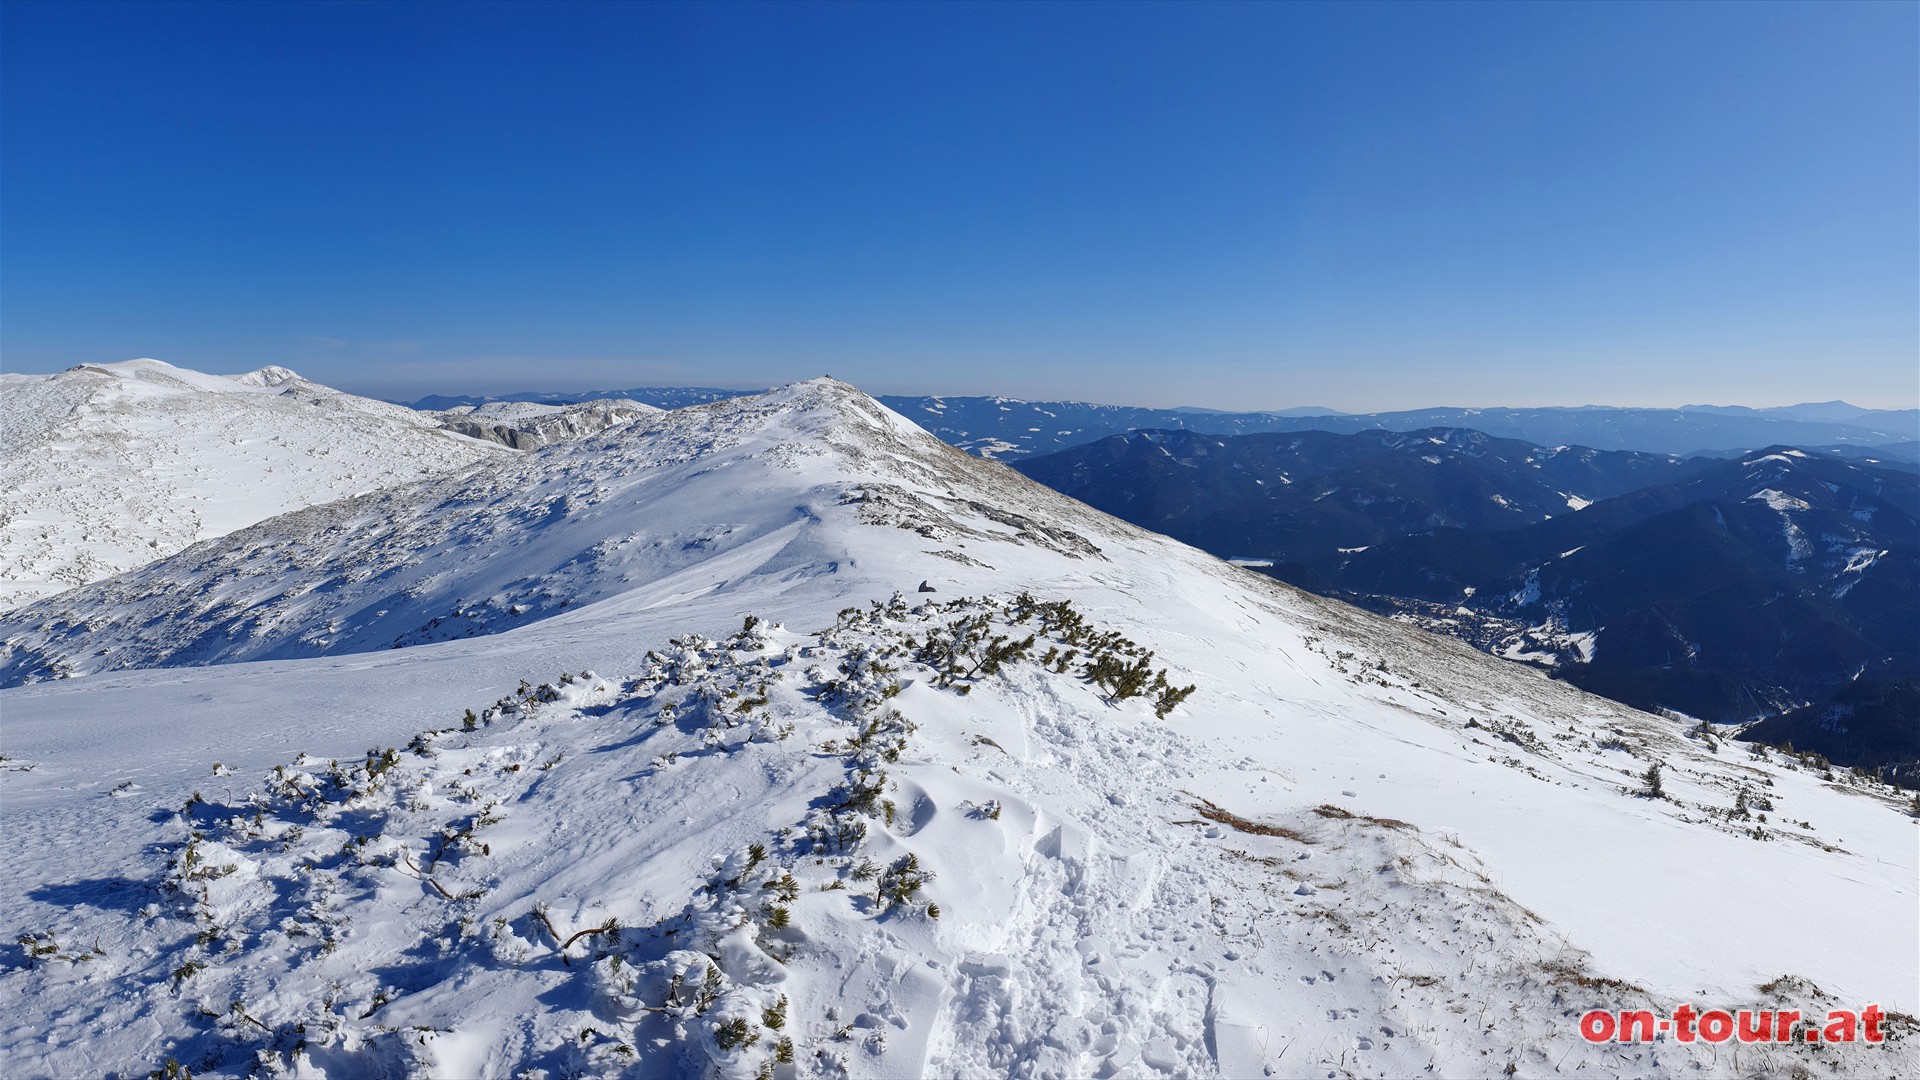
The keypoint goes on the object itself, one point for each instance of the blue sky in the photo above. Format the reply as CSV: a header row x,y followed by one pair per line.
x,y
1364,206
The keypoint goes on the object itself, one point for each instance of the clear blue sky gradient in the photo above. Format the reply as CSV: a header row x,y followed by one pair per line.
x,y
1362,206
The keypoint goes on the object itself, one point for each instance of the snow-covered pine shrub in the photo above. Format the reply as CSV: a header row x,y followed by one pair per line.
x,y
987,811
732,1033
44,946
900,882
39,946
882,735
1000,651
1121,680
862,792
379,761
785,888
1652,787
1170,697
1704,732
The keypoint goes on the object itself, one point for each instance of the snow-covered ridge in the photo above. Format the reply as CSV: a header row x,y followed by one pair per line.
x,y
481,551
526,425
105,467
1353,848
1778,500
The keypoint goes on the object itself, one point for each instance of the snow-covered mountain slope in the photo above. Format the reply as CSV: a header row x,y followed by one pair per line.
x,y
104,467
1352,849
483,550
527,425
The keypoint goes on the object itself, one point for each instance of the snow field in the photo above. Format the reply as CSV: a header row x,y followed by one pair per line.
x,y
830,854
106,467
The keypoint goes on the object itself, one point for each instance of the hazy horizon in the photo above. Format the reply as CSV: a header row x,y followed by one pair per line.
x,y
404,397
1363,207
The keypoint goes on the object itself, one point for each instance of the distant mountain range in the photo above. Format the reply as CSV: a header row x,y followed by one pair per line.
x,y
1757,586
1009,429
1902,455
1780,585
1302,495
660,397
1839,412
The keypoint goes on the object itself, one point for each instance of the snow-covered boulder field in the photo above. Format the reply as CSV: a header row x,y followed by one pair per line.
x,y
526,425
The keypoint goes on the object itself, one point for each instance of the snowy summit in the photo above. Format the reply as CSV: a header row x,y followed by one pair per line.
x,y
105,467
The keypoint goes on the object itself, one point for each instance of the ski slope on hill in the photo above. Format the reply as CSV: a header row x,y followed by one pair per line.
x,y
627,830
104,467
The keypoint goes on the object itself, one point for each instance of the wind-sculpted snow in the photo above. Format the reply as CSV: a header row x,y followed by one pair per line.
x,y
106,467
872,759
482,551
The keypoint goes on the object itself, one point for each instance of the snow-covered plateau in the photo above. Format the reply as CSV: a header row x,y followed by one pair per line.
x,y
104,467
775,738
